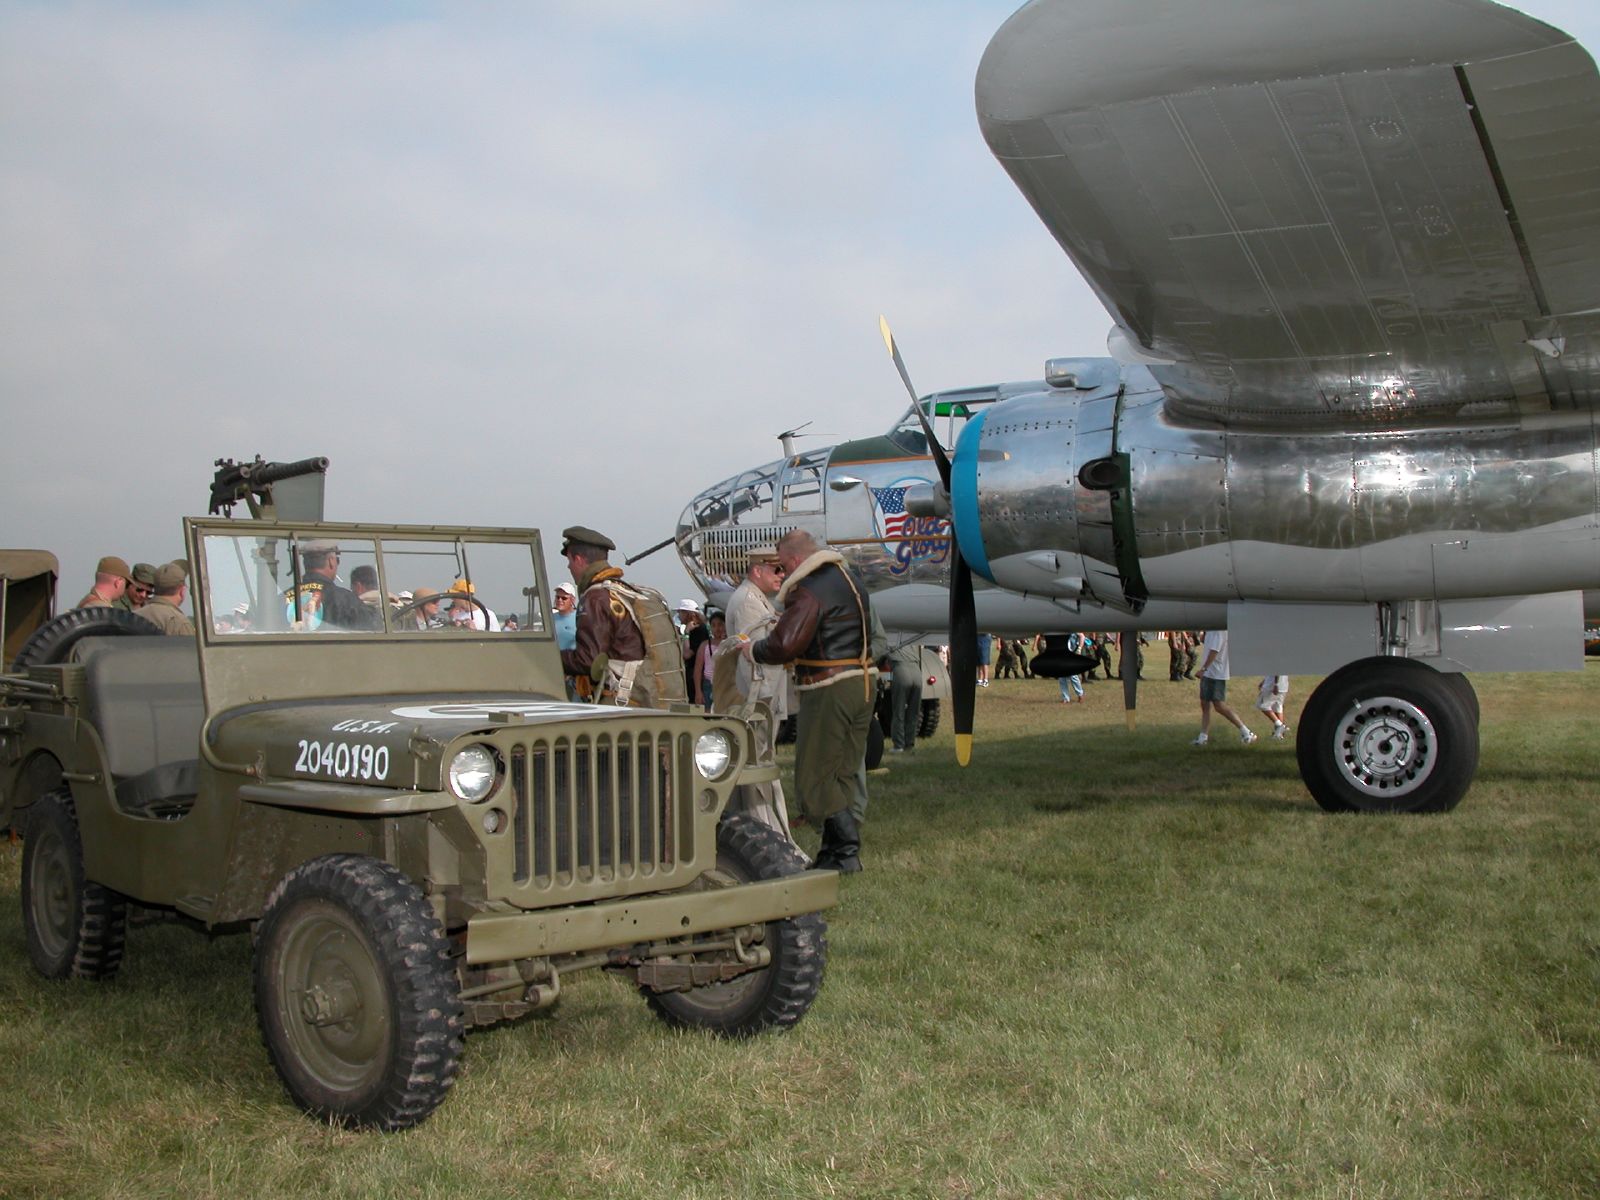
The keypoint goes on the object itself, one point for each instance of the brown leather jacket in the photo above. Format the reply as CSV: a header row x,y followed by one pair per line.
x,y
823,628
605,626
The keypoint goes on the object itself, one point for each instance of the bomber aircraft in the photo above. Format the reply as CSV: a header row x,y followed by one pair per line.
x,y
1352,256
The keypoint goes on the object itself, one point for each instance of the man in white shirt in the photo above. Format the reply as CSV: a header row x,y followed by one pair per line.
x,y
1214,689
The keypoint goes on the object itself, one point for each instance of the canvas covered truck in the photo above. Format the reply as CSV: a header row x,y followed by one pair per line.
x,y
419,831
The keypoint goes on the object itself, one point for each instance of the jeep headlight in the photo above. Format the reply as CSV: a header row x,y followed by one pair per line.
x,y
473,772
713,753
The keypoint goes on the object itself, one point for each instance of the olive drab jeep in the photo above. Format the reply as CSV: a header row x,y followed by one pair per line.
x,y
420,832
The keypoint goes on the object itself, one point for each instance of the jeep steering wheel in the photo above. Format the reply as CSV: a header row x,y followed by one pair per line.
x,y
417,602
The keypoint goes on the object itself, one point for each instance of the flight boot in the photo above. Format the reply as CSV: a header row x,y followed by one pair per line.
x,y
841,844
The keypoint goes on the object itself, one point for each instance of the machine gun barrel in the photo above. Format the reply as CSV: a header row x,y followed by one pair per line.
x,y
253,481
270,473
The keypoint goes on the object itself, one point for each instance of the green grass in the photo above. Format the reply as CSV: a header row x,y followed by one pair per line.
x,y
1094,964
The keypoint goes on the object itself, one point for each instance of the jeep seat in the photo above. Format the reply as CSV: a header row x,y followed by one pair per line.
x,y
143,697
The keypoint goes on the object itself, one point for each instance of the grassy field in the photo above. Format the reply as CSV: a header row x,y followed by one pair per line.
x,y
1094,964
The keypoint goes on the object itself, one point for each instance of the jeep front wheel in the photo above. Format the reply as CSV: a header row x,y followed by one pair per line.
x,y
356,993
778,994
74,928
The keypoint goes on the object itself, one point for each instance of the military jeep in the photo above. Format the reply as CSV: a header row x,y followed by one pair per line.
x,y
422,834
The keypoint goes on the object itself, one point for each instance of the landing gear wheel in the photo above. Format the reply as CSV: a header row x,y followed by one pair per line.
x,y
74,928
356,994
1387,735
928,724
778,994
1465,692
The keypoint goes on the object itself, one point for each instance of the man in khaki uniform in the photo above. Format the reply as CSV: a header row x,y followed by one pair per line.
x,y
165,609
110,582
739,682
141,583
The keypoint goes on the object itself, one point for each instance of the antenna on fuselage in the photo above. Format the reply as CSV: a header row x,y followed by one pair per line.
x,y
786,438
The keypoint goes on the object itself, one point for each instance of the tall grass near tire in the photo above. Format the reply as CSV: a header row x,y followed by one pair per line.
x,y
1095,963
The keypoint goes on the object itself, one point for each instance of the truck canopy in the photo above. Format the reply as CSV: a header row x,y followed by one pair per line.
x,y
27,595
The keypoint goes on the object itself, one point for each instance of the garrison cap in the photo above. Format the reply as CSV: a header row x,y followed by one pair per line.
x,y
112,565
170,576
144,573
763,554
582,533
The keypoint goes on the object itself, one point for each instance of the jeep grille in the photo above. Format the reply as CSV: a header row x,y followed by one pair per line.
x,y
601,810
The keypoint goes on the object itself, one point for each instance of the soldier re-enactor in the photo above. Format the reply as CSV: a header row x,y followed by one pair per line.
x,y
110,582
611,654
824,632
165,607
141,585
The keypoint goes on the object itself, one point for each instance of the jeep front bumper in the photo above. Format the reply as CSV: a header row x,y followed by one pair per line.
x,y
506,936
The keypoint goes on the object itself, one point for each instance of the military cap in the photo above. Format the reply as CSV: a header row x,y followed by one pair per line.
x,y
320,546
170,576
144,573
582,533
763,554
112,565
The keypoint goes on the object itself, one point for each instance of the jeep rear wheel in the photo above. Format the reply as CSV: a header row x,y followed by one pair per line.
x,y
356,993
74,928
778,994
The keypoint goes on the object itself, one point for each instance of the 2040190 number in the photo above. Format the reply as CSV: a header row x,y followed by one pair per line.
x,y
343,760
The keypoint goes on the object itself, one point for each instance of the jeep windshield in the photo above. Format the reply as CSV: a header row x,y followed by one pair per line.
x,y
357,581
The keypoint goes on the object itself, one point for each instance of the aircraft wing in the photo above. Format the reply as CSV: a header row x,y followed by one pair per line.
x,y
1331,213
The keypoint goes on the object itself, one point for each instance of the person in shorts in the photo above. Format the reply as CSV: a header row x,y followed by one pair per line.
x,y
1214,689
1270,695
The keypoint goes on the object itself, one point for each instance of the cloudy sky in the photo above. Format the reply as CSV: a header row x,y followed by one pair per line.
x,y
516,264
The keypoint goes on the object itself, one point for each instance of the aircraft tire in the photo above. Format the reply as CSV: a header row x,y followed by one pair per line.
x,y
52,641
1387,735
928,722
1467,693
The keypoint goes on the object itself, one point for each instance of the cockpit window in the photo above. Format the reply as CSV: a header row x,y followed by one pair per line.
x,y
949,413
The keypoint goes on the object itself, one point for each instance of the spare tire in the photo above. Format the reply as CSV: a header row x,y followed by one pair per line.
x,y
54,640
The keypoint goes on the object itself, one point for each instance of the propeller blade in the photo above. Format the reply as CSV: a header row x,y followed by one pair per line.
x,y
1130,677
940,458
963,656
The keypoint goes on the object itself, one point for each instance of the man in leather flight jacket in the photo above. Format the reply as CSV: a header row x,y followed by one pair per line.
x,y
823,631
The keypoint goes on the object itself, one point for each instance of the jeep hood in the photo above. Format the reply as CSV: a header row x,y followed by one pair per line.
x,y
387,741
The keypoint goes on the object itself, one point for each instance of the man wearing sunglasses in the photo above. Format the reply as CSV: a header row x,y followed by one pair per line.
x,y
751,615
141,583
